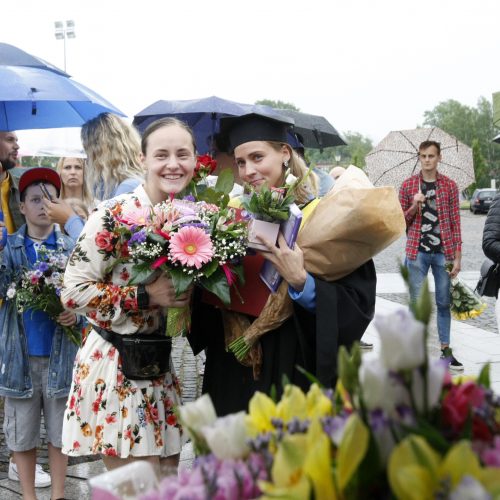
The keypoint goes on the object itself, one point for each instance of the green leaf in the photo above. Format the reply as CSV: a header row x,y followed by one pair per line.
x,y
181,280
157,238
210,268
141,273
218,287
225,181
484,376
423,305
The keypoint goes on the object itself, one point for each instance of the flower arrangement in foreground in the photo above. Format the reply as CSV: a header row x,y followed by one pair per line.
x,y
194,242
397,426
39,288
465,303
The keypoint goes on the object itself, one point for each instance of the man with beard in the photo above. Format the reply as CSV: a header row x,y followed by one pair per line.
x,y
9,193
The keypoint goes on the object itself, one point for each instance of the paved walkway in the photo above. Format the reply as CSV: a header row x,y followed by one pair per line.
x,y
471,345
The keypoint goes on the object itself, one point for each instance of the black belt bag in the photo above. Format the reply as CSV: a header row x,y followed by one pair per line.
x,y
143,356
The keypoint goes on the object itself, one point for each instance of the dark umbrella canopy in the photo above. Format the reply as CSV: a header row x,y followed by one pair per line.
x,y
497,138
202,115
13,56
314,131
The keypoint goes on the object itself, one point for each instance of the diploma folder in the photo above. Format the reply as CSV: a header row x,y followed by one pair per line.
x,y
254,293
290,229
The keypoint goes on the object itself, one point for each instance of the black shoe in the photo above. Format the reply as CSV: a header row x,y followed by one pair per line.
x,y
365,346
453,362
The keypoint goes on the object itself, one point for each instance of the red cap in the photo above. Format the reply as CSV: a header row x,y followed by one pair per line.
x,y
39,174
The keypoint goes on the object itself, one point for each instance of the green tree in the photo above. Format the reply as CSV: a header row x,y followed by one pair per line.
x,y
466,124
480,169
278,104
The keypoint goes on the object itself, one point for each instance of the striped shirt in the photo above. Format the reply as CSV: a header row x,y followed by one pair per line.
x,y
448,209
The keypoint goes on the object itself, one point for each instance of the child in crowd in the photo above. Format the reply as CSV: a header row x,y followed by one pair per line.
x,y
36,357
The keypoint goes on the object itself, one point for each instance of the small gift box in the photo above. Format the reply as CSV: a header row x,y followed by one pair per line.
x,y
267,230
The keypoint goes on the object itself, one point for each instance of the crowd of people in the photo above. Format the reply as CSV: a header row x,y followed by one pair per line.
x,y
90,406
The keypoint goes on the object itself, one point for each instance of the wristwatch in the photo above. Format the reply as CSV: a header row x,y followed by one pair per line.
x,y
142,297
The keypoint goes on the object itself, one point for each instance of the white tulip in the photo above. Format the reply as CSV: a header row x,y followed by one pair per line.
x,y
227,436
290,179
402,340
198,414
436,372
380,390
469,488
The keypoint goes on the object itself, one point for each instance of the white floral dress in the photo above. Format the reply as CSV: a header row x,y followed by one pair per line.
x,y
107,413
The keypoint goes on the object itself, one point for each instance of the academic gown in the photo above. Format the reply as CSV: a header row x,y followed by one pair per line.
x,y
344,308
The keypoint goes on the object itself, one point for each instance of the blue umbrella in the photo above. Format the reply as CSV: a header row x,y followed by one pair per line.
x,y
13,56
202,115
32,98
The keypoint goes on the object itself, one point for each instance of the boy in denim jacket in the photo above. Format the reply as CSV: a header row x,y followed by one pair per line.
x,y
36,356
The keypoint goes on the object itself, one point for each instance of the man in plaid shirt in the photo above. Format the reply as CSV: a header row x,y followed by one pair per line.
x,y
431,207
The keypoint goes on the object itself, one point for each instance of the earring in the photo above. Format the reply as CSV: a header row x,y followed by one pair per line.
x,y
285,163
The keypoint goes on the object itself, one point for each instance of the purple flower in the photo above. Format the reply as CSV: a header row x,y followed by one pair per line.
x,y
139,237
189,197
43,266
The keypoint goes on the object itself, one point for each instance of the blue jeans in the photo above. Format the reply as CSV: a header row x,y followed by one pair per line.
x,y
418,270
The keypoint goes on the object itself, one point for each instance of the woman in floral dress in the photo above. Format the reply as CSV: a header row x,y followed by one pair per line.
x,y
107,413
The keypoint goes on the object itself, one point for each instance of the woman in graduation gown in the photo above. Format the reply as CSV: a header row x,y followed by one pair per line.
x,y
325,314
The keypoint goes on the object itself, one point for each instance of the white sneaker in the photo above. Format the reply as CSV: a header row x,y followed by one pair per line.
x,y
42,478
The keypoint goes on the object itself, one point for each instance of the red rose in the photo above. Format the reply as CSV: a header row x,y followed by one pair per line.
x,y
458,402
76,445
104,240
71,304
171,420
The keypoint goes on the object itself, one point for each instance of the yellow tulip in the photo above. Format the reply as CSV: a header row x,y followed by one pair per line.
x,y
292,404
318,405
302,461
460,461
317,465
352,449
413,468
416,471
261,410
287,473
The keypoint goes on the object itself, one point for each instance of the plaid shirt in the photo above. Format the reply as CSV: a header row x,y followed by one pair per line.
x,y
448,209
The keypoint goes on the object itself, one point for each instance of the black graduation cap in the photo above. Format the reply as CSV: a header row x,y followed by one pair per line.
x,y
236,130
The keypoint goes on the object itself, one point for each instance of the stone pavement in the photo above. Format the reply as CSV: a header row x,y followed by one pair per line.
x,y
473,346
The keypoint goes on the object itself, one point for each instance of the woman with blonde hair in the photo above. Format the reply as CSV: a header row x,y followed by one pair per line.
x,y
113,150
320,315
73,180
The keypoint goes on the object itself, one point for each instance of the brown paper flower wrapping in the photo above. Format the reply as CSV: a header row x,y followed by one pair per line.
x,y
350,225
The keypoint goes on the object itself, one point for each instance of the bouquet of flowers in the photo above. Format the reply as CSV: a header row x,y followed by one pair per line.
x,y
465,303
39,288
194,242
397,426
269,207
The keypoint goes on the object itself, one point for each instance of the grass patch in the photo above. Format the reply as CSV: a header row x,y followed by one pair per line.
x,y
465,205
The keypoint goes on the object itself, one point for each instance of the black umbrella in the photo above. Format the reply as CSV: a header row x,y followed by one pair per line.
x,y
313,131
497,138
13,56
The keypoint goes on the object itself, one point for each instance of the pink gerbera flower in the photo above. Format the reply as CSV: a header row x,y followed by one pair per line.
x,y
191,246
138,217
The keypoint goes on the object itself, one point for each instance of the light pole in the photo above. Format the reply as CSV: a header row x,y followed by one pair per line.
x,y
63,31
338,158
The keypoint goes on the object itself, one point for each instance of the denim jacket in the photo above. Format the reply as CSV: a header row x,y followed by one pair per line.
x,y
15,375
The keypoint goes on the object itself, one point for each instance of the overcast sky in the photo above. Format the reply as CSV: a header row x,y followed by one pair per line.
x,y
369,66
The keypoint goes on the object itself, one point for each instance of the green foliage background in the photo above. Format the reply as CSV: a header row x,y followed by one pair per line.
x,y
473,126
